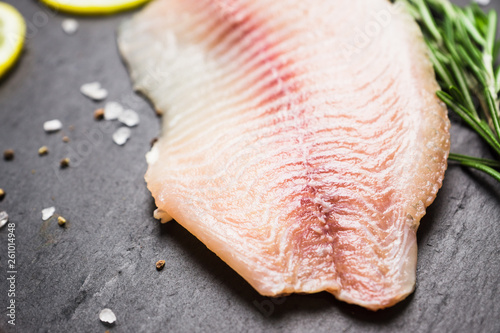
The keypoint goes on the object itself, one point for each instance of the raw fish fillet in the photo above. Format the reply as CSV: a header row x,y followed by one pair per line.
x,y
302,140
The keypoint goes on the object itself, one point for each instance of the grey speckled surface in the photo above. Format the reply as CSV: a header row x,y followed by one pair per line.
x,y
106,256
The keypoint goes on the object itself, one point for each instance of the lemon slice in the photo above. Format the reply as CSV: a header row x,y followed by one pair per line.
x,y
12,32
93,7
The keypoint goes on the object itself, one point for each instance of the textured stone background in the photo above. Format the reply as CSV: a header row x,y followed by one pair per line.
x,y
106,256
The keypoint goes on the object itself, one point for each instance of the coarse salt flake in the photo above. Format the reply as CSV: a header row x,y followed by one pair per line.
x,y
107,316
129,118
4,218
121,136
52,125
94,91
112,110
69,26
47,213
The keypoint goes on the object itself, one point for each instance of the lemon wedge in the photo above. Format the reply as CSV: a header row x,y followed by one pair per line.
x,y
12,32
93,7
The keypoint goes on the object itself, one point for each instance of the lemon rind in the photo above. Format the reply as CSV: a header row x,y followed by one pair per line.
x,y
12,18
72,8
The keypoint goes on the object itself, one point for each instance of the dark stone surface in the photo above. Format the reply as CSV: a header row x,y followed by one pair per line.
x,y
106,255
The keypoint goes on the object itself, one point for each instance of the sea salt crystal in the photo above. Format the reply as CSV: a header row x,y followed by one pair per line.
x,y
112,110
47,213
94,91
70,26
121,136
129,118
4,218
52,125
483,2
107,316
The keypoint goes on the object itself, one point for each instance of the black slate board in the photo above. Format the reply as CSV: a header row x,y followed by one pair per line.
x,y
106,256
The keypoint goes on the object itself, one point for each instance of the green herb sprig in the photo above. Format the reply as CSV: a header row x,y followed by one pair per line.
x,y
463,49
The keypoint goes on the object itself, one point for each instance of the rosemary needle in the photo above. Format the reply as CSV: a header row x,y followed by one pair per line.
x,y
463,48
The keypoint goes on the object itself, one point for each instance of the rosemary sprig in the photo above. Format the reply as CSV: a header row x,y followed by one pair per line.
x,y
463,49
